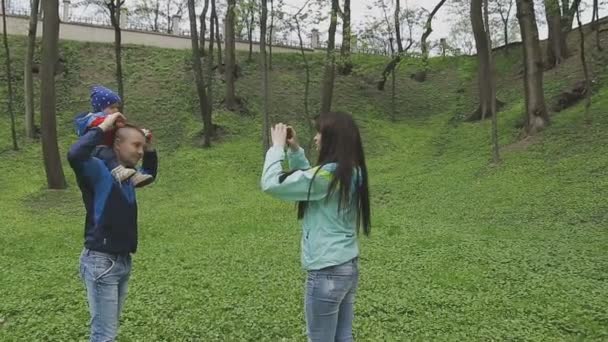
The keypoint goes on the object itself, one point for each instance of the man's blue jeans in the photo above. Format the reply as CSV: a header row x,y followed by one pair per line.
x,y
106,277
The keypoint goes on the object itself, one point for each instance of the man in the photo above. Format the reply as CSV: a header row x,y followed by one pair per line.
x,y
111,219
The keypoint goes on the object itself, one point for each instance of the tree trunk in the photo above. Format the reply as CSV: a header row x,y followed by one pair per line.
x,y
265,82
311,128
270,35
492,76
398,26
393,104
595,23
217,34
537,117
568,16
428,29
388,69
250,33
585,67
505,16
306,67
168,14
489,78
156,16
114,6
210,62
198,76
556,44
484,69
486,25
506,33
28,77
229,73
327,87
346,65
50,54
9,78
203,23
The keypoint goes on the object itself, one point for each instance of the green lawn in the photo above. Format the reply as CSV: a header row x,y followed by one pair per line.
x,y
460,249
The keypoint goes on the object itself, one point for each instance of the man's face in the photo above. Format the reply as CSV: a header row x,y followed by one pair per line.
x,y
129,146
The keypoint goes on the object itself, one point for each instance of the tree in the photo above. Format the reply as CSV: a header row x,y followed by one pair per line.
x,y
217,32
585,66
115,6
230,70
199,77
389,69
485,76
149,13
28,76
275,12
557,48
307,116
270,35
503,26
398,26
377,33
428,29
537,117
595,17
203,24
461,33
504,9
50,55
265,81
249,24
9,78
327,87
174,9
389,26
210,61
559,21
346,64
486,82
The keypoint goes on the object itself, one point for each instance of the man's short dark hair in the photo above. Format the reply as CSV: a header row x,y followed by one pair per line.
x,y
128,126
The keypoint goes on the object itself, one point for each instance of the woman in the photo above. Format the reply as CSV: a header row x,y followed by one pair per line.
x,y
333,204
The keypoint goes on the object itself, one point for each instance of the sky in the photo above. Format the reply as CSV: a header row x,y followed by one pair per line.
x,y
441,24
360,11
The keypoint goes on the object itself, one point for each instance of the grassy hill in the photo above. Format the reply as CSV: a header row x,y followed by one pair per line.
x,y
460,250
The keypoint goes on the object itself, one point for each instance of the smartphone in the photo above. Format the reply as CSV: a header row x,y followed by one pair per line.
x,y
289,133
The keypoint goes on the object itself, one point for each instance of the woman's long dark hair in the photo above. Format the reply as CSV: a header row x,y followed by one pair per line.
x,y
341,144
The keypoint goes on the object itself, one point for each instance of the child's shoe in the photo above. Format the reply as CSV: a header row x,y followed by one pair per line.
x,y
141,179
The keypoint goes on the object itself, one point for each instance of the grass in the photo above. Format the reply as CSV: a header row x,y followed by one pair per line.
x,y
460,250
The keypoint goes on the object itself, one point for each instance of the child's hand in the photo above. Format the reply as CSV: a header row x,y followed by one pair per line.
x,y
110,121
120,122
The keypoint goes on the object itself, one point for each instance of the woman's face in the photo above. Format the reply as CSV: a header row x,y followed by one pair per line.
x,y
318,141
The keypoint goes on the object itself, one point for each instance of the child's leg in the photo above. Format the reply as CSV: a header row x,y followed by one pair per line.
x,y
107,155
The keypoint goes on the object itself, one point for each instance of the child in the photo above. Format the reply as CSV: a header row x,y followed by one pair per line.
x,y
104,103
